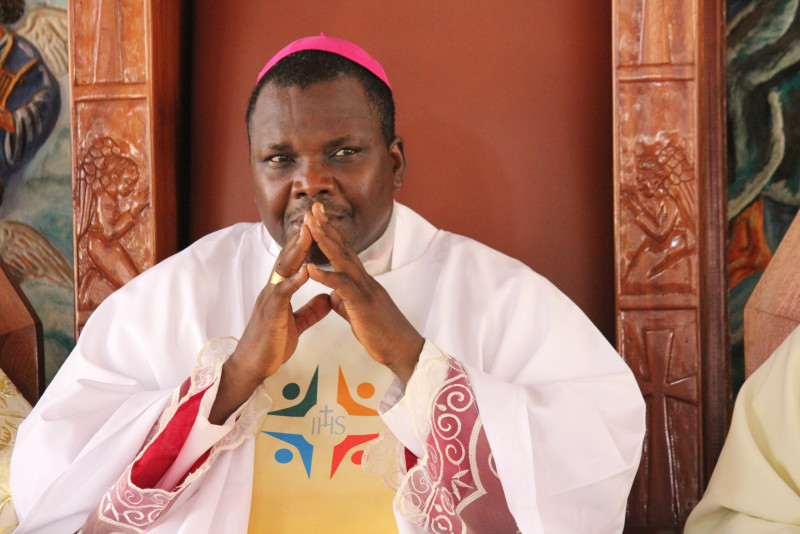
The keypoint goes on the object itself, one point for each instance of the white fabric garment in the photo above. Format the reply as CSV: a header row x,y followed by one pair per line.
x,y
754,487
562,412
376,260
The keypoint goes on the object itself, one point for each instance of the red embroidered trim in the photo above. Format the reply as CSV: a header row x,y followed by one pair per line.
x,y
161,453
411,459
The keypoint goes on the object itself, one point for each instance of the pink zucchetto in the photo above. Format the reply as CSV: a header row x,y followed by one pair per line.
x,y
330,44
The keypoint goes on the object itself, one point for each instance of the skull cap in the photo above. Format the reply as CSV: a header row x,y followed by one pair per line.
x,y
330,44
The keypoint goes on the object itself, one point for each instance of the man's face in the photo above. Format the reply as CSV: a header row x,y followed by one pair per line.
x,y
651,176
323,143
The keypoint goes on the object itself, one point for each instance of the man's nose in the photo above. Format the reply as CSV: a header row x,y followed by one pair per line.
x,y
313,180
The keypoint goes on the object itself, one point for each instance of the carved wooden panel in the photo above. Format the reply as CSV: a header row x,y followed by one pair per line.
x,y
668,221
125,118
665,347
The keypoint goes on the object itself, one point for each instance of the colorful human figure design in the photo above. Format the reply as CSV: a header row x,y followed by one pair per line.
x,y
324,421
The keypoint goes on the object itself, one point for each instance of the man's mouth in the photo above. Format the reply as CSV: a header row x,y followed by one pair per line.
x,y
334,217
296,223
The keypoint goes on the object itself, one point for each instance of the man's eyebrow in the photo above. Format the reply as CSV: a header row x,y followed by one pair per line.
x,y
343,140
280,147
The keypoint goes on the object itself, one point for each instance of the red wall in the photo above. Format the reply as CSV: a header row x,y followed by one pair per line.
x,y
505,109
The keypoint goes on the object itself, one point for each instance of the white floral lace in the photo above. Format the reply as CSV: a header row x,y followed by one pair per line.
x,y
13,409
385,457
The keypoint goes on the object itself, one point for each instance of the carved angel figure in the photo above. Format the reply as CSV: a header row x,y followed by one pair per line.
x,y
661,202
109,204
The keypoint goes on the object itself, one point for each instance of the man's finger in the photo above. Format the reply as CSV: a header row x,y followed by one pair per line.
x,y
335,280
330,242
312,312
338,306
287,287
294,253
342,285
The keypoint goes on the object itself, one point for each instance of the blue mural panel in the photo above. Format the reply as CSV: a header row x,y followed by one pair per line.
x,y
35,163
763,101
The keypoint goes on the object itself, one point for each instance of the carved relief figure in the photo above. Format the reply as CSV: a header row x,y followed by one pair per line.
x,y
660,202
109,205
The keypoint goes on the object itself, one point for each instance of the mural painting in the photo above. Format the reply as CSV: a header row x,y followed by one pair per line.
x,y
763,101
35,184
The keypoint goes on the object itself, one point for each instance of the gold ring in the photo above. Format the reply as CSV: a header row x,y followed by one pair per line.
x,y
276,279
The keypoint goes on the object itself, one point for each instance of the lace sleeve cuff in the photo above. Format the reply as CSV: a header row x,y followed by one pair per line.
x,y
406,409
135,502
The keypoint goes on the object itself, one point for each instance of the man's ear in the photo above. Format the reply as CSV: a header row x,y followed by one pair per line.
x,y
398,162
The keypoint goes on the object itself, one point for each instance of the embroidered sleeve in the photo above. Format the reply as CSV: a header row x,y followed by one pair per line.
x,y
140,496
454,486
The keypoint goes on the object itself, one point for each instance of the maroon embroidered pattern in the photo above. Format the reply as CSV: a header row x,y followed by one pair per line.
x,y
455,487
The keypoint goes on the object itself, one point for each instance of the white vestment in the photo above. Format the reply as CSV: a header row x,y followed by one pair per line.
x,y
755,487
562,412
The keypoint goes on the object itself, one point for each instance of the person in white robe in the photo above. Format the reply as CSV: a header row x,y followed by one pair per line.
x,y
501,408
754,487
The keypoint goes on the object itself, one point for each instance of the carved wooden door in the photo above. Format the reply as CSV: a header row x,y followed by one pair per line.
x,y
125,87
669,225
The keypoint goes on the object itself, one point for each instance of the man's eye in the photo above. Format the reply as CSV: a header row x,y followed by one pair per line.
x,y
279,158
342,152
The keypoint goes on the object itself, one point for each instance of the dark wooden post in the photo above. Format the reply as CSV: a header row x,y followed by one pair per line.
x,y
670,225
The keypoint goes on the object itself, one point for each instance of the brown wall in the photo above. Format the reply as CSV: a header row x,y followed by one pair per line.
x,y
505,108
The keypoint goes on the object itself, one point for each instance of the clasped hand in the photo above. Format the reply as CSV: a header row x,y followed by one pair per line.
x,y
271,335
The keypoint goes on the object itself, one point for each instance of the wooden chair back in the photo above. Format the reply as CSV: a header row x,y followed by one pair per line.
x,y
21,339
773,310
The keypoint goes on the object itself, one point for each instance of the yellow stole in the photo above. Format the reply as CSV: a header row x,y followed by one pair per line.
x,y
308,472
